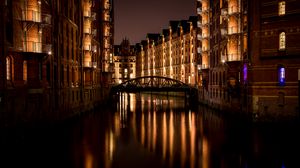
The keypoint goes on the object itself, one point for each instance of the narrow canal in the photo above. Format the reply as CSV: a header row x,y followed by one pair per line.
x,y
152,131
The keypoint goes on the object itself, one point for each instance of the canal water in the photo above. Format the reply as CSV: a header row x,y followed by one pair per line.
x,y
152,131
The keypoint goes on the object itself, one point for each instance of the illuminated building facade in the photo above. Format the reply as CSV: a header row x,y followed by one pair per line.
x,y
107,38
221,48
271,66
51,58
124,62
248,55
170,54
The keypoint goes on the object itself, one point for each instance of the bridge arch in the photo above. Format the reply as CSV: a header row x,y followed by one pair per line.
x,y
153,83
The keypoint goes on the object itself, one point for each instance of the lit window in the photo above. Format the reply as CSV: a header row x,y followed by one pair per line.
x,y
8,68
282,40
245,72
25,70
110,58
281,8
281,76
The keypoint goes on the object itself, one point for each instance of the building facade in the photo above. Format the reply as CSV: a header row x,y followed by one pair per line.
x,y
172,53
273,59
124,62
107,37
250,56
51,59
222,49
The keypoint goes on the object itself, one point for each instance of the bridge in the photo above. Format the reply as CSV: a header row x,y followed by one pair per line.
x,y
154,84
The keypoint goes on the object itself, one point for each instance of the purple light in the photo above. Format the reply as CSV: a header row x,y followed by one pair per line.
x,y
281,76
245,72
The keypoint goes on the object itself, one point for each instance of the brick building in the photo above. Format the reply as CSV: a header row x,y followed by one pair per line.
x,y
51,58
273,59
124,62
172,53
250,56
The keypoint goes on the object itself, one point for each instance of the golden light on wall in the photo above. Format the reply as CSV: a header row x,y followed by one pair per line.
x,y
233,25
233,50
205,61
87,26
87,9
233,6
205,5
205,32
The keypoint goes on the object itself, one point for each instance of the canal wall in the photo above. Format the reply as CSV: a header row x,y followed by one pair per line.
x,y
19,107
251,109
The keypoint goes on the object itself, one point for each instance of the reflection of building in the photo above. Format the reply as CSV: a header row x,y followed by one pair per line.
x,y
171,53
163,127
124,62
249,55
50,57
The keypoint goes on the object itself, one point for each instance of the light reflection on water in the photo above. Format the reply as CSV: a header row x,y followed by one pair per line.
x,y
180,137
166,128
150,130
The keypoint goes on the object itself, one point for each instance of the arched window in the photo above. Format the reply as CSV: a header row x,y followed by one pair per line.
x,y
245,72
281,75
8,68
25,70
282,41
281,8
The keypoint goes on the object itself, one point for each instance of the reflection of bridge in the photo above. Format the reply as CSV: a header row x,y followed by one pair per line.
x,y
154,84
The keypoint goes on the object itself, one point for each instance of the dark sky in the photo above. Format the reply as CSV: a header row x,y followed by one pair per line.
x,y
135,18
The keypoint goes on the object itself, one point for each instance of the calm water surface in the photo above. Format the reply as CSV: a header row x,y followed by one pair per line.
x,y
152,131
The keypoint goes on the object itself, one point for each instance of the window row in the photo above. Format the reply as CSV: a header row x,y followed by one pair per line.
x,y
10,72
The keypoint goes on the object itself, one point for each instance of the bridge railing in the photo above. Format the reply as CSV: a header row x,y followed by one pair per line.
x,y
152,83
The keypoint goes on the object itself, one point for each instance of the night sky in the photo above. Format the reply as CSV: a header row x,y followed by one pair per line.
x,y
135,18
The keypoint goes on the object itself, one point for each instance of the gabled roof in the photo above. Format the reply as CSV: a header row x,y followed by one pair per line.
x,y
174,25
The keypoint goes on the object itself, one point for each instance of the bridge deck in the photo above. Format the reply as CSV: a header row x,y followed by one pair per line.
x,y
153,83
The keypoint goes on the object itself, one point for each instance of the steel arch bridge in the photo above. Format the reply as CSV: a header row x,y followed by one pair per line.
x,y
153,84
